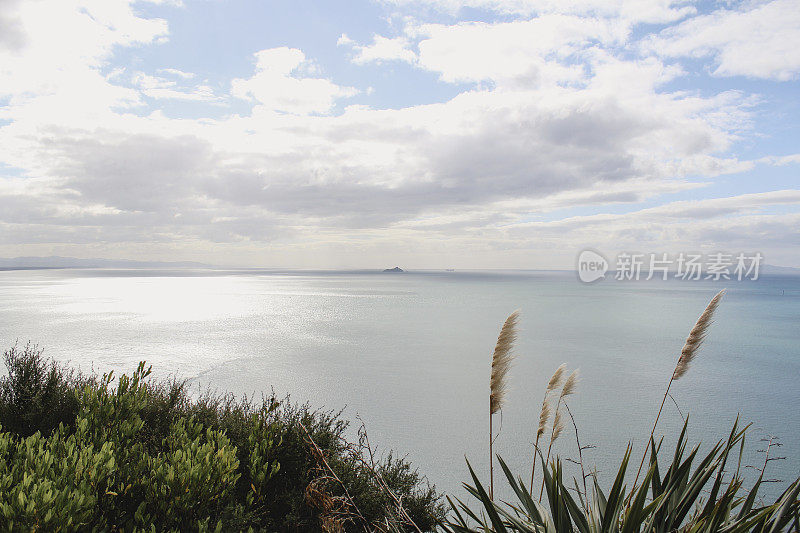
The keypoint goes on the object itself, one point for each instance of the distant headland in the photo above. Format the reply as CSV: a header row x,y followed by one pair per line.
x,y
395,269
33,263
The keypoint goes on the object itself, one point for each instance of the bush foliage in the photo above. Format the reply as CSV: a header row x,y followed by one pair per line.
x,y
82,453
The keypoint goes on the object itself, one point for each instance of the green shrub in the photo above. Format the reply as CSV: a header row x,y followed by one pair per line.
x,y
192,481
85,453
37,395
52,483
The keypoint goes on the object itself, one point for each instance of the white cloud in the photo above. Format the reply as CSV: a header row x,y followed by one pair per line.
x,y
762,222
278,86
178,73
652,11
146,82
382,49
90,27
534,51
55,76
715,207
373,168
781,160
175,3
165,89
683,214
11,35
760,40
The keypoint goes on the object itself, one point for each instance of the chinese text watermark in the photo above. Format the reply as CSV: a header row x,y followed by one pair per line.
x,y
717,266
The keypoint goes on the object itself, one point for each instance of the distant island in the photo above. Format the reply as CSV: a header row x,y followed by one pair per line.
x,y
26,263
395,269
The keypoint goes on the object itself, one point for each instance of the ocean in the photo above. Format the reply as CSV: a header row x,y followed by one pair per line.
x,y
408,354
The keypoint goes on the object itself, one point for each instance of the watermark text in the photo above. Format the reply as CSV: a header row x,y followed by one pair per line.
x,y
592,265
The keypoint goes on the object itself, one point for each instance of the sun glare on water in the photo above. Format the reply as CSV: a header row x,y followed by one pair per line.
x,y
155,299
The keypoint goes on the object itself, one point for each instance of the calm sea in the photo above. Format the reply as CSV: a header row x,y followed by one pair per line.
x,y
409,353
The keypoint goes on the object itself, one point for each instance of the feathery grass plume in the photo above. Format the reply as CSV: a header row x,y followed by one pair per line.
x,y
570,385
558,426
688,353
558,376
544,414
696,337
569,388
501,363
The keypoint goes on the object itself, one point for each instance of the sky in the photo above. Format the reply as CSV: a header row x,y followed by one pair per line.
x,y
419,133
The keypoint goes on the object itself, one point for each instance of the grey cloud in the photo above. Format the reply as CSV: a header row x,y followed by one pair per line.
x,y
135,173
183,186
11,35
767,232
535,157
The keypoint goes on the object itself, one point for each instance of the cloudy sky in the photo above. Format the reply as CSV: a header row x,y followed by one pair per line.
x,y
424,133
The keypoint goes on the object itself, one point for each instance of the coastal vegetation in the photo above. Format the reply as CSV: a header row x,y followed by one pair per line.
x,y
691,493
89,453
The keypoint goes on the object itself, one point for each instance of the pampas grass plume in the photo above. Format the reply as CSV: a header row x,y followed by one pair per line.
x,y
696,337
570,385
501,362
544,416
558,376
558,426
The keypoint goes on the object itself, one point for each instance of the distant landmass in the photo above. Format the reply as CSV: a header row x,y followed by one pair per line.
x,y
22,263
74,262
772,269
